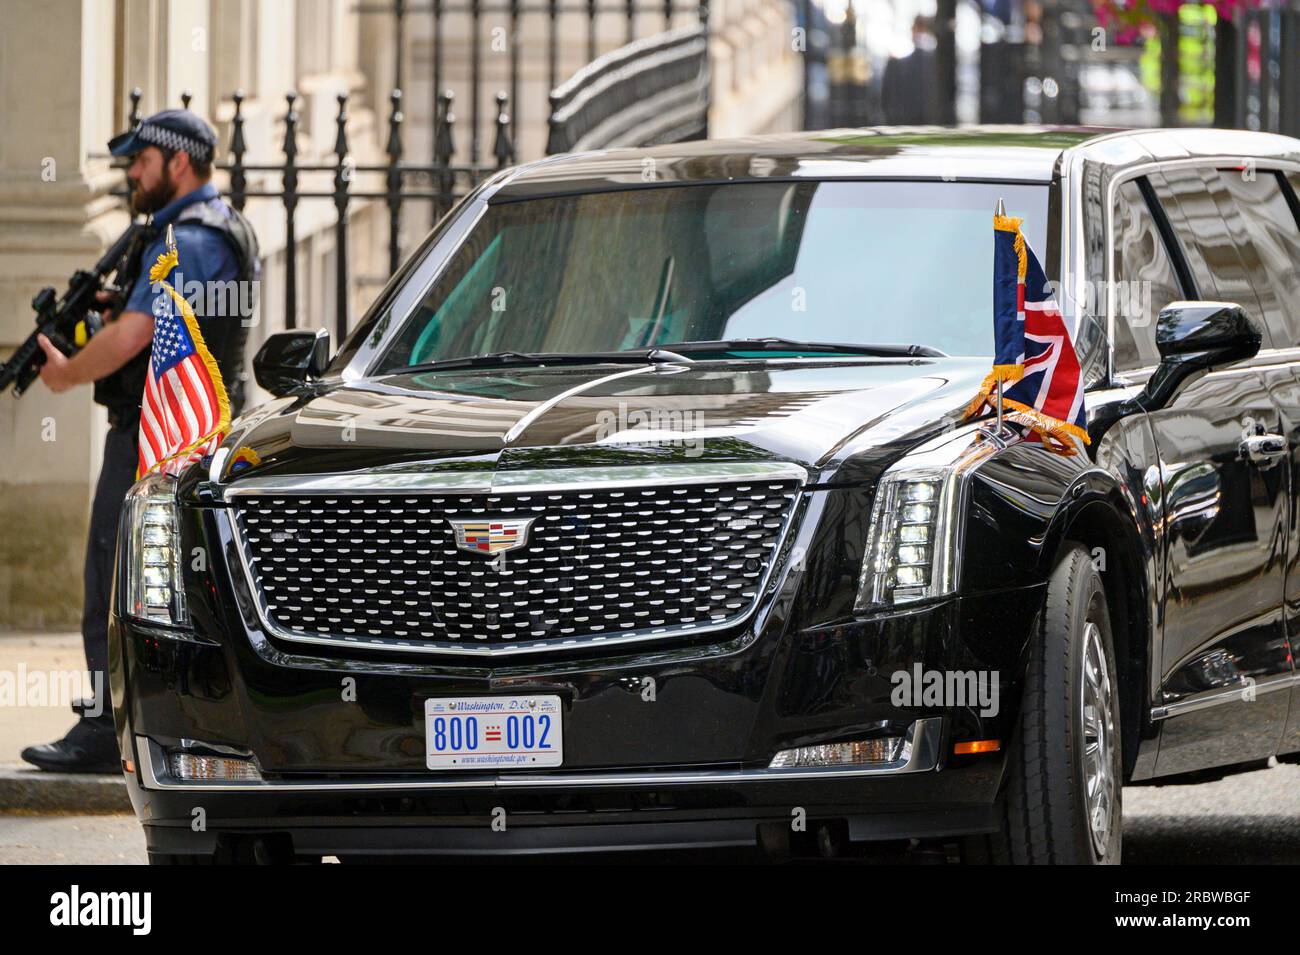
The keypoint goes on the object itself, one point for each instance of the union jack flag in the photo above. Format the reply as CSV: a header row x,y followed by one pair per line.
x,y
185,412
1034,359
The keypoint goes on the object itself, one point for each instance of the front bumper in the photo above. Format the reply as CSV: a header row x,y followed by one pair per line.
x,y
522,814
345,771
920,754
364,810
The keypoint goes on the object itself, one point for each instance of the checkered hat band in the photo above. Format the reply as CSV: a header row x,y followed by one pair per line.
x,y
177,142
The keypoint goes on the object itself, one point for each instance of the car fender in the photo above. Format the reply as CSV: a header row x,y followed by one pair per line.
x,y
1025,506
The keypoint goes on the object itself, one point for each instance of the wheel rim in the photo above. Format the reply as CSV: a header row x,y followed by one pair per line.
x,y
1098,722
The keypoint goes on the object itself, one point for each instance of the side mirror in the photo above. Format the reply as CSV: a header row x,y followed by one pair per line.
x,y
1196,337
288,360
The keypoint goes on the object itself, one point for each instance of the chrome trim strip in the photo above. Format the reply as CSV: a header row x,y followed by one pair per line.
x,y
218,464
1216,697
531,481
1067,301
522,424
410,296
487,482
920,754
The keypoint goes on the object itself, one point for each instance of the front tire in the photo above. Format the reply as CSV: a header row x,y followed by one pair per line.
x,y
1062,798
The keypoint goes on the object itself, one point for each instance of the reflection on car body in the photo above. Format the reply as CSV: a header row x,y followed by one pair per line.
x,y
653,526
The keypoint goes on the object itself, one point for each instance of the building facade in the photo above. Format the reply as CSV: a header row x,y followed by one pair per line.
x,y
64,92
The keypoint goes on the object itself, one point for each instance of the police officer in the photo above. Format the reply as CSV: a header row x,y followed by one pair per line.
x,y
170,175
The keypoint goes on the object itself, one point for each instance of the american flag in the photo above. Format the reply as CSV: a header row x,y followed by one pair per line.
x,y
185,412
1034,359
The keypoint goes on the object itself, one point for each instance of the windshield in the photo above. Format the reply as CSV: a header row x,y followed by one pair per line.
x,y
845,262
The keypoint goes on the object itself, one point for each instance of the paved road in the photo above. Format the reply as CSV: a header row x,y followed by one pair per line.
x,y
1249,819
64,840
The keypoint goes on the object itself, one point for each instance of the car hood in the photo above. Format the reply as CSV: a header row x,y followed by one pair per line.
x,y
827,415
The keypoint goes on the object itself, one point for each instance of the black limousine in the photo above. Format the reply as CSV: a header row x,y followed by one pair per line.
x,y
639,511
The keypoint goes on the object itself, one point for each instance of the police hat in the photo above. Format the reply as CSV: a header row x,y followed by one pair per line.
x,y
176,129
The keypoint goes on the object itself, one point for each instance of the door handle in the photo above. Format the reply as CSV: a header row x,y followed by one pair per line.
x,y
1264,450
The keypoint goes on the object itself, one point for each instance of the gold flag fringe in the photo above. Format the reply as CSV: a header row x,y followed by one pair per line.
x,y
1001,374
1055,434
1012,224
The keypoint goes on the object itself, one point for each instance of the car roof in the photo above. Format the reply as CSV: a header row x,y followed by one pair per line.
x,y
979,153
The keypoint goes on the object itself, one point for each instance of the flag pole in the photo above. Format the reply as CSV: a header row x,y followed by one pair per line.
x,y
1000,210
999,407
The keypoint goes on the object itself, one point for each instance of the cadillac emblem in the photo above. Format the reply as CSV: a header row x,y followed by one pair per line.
x,y
491,535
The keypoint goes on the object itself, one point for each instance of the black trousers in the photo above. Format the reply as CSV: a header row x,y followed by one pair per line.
x,y
121,453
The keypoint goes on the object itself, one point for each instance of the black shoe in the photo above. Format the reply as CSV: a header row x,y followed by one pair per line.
x,y
89,747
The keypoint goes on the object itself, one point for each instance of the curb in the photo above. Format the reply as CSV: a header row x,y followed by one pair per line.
x,y
31,790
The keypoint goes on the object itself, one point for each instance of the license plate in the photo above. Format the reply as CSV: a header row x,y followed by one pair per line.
x,y
493,732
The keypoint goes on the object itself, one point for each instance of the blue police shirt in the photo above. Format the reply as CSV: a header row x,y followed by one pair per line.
x,y
203,256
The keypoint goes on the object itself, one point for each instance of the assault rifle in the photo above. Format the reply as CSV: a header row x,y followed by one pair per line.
x,y
70,321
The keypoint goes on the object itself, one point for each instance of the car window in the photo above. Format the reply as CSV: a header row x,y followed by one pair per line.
x,y
835,261
1212,235
1145,279
1275,238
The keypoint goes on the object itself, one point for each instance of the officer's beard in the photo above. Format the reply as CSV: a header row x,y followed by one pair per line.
x,y
149,201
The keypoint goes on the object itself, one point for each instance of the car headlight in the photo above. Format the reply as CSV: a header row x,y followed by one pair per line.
x,y
152,562
911,551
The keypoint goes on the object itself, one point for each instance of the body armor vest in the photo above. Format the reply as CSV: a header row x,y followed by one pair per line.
x,y
224,332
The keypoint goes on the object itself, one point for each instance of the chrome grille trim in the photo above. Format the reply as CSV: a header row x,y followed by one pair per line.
x,y
493,487
522,481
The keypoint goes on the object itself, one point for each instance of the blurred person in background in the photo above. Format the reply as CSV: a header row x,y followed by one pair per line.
x,y
909,89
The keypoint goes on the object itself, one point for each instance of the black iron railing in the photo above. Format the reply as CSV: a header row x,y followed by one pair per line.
x,y
441,182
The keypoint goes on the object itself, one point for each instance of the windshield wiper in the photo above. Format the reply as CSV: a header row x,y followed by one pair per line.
x,y
673,352
789,344
507,358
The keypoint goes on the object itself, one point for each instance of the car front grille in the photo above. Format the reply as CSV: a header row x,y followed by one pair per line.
x,y
600,564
